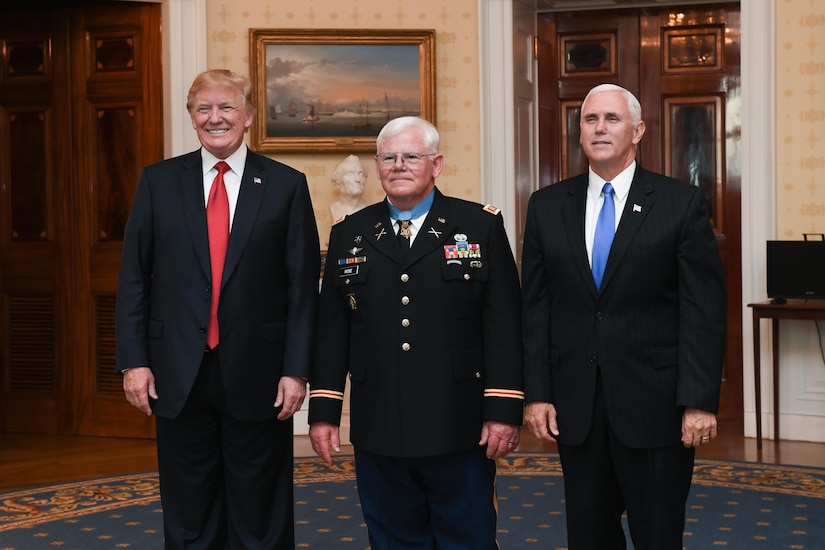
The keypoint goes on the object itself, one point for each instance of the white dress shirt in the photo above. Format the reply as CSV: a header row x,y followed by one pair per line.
x,y
595,199
231,179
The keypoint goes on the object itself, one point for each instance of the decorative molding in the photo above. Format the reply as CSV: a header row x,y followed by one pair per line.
x,y
495,20
758,190
184,56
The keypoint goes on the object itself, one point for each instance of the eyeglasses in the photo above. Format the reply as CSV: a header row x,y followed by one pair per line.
x,y
410,159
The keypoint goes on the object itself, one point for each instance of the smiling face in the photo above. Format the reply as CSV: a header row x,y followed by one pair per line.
x,y
220,118
407,185
608,135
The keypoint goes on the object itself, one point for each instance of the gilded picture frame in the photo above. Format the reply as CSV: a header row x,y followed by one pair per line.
x,y
332,90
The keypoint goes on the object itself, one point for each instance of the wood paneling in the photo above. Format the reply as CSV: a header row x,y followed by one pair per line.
x,y
80,114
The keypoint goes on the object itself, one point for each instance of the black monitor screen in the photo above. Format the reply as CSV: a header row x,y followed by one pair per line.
x,y
796,269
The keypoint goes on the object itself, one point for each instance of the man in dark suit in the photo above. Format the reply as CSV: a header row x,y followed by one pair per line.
x,y
216,339
420,305
623,373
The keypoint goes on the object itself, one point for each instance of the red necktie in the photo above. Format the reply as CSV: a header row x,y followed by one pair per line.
x,y
217,221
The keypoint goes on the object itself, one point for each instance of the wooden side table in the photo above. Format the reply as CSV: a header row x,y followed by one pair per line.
x,y
792,309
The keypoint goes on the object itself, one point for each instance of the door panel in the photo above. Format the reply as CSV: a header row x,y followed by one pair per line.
x,y
80,113
683,65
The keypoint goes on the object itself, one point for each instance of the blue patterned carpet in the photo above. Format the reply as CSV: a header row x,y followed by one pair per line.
x,y
733,505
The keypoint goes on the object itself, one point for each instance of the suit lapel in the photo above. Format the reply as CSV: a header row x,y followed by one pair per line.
x,y
438,227
250,198
573,212
381,232
638,204
194,207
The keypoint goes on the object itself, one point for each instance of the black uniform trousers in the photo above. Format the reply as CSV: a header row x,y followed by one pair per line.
x,y
444,502
218,474
603,478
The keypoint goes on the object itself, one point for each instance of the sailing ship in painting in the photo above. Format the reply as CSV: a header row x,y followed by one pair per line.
x,y
331,118
364,111
310,116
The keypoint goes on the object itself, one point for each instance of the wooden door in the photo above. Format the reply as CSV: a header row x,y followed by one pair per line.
x,y
80,114
683,65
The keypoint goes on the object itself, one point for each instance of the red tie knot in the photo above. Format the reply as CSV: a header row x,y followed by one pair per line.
x,y
222,167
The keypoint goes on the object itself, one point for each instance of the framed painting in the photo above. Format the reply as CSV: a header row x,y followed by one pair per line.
x,y
332,90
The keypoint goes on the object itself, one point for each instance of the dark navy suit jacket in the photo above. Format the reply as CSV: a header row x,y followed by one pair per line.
x,y
269,293
656,327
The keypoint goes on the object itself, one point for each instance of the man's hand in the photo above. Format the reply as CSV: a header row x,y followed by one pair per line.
x,y
540,417
698,427
139,387
325,436
500,439
291,393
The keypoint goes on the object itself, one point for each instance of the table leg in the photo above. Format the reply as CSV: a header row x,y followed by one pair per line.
x,y
757,382
775,323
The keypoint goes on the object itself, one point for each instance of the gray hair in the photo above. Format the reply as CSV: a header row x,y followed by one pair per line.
x,y
633,105
399,125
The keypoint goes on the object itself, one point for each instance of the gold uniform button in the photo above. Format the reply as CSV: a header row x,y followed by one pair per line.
x,y
404,277
405,300
405,346
405,323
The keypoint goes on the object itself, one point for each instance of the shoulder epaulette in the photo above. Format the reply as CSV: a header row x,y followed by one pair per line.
x,y
491,209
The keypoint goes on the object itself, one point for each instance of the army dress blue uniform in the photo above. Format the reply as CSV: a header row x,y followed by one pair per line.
x,y
430,338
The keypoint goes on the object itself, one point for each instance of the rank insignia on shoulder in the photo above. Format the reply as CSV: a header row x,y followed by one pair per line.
x,y
491,209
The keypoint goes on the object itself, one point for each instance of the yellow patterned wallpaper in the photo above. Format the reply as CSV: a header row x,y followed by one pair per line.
x,y
457,74
800,118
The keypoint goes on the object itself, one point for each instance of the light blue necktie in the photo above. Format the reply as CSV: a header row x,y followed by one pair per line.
x,y
605,229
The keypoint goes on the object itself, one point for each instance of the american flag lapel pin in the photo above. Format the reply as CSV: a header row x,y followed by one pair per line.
x,y
257,180
637,208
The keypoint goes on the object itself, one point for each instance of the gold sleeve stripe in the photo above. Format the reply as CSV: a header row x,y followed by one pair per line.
x,y
329,394
510,394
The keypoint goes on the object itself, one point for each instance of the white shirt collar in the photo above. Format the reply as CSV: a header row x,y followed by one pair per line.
x,y
621,183
236,160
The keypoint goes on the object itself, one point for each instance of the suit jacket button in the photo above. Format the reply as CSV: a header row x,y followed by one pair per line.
x,y
202,330
599,316
405,346
593,359
405,323
405,278
405,300
466,276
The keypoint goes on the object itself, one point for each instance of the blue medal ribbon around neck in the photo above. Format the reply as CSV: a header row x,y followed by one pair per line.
x,y
417,211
